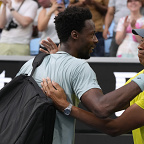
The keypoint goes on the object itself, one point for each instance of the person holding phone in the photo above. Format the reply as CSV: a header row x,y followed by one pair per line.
x,y
46,20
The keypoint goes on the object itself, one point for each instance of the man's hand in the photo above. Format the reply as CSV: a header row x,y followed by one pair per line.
x,y
50,46
55,92
106,33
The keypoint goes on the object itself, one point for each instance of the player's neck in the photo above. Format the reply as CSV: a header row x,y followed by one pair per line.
x,y
68,48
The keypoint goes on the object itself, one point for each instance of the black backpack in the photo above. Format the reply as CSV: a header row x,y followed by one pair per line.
x,y
27,115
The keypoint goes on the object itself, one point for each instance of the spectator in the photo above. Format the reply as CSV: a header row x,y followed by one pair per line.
x,y
116,10
127,41
16,17
42,4
98,9
46,20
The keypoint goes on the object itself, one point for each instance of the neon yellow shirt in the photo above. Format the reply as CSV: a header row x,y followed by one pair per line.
x,y
138,134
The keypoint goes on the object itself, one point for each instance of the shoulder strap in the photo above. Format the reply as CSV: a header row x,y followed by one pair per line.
x,y
20,5
37,61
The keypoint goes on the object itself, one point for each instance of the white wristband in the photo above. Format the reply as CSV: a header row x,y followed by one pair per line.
x,y
139,80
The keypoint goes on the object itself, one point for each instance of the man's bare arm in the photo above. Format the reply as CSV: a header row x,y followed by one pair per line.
x,y
104,105
131,119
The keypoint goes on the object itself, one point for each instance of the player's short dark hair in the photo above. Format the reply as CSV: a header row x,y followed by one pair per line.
x,y
72,18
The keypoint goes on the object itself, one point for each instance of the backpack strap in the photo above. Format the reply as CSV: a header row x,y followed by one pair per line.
x,y
37,61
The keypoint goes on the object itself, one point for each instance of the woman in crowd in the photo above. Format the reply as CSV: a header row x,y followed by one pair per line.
x,y
46,20
127,41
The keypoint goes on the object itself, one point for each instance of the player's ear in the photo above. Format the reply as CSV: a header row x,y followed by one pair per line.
x,y
74,34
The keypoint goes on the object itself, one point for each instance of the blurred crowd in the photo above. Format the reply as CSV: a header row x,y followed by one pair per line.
x,y
24,23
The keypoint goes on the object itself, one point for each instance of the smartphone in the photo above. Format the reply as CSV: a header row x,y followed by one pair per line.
x,y
59,1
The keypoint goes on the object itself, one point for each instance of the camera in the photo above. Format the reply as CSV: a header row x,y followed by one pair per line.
x,y
11,25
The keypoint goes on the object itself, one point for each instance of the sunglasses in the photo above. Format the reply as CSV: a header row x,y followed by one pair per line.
x,y
133,0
